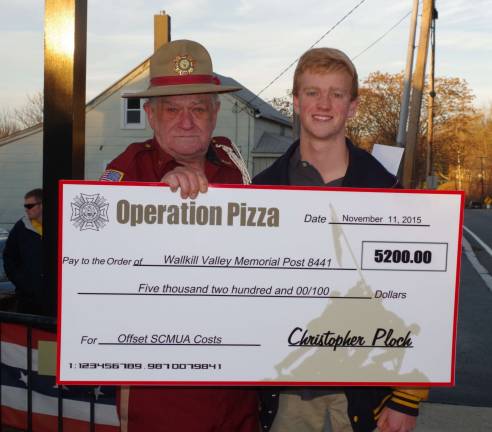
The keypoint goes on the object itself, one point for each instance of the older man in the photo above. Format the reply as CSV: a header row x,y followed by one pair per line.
x,y
182,110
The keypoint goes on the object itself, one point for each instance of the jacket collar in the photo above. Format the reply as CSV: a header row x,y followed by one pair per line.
x,y
28,224
362,171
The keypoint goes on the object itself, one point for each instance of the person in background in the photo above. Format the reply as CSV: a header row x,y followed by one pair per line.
x,y
22,256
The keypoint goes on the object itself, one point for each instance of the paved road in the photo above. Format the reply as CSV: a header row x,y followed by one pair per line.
x,y
480,222
474,347
453,418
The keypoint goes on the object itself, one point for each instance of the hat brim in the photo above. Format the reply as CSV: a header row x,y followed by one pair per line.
x,y
182,89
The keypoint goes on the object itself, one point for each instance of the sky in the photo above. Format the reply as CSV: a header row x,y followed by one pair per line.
x,y
252,41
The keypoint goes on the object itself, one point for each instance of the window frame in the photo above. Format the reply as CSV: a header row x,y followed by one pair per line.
x,y
124,111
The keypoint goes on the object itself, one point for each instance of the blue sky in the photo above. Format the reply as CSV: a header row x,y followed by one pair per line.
x,y
249,40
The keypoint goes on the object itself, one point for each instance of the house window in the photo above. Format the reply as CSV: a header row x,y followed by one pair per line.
x,y
133,113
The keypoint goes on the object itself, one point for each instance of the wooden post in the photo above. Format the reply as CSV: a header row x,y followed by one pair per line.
x,y
482,178
417,90
405,97
65,34
162,30
430,117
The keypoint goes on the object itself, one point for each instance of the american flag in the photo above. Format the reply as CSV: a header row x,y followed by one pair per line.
x,y
14,393
111,175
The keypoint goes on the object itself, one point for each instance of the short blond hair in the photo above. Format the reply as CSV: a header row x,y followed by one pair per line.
x,y
37,194
324,60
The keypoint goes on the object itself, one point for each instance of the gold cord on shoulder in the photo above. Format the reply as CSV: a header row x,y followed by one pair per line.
x,y
236,157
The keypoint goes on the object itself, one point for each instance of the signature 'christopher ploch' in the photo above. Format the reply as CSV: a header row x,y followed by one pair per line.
x,y
382,338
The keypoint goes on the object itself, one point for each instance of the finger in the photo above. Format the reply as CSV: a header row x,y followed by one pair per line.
x,y
193,178
203,182
382,424
172,181
184,185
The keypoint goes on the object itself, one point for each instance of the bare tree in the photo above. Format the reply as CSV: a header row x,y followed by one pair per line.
x,y
8,125
283,104
31,113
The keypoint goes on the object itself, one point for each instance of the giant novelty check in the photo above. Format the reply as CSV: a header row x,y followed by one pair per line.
x,y
260,286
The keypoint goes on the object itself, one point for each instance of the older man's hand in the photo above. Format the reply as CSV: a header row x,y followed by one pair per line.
x,y
395,421
190,181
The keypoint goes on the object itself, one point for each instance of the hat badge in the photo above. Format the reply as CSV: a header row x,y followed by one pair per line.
x,y
184,64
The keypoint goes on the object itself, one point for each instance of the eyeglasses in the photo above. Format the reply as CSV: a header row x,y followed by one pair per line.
x,y
30,206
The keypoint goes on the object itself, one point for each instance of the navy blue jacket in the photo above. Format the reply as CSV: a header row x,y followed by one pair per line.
x,y
23,262
363,171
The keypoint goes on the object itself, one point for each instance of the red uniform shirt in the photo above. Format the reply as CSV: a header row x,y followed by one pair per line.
x,y
147,162
165,409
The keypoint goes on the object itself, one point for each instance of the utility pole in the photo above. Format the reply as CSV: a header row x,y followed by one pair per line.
x,y
429,171
482,179
65,35
405,97
417,90
460,175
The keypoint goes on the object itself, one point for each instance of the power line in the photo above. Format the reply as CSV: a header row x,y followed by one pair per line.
x,y
382,36
333,27
337,24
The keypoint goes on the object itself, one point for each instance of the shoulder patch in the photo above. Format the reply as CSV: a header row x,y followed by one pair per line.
x,y
112,175
123,164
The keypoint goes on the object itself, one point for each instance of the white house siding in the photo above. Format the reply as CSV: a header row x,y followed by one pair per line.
x,y
105,136
272,127
21,163
261,161
236,123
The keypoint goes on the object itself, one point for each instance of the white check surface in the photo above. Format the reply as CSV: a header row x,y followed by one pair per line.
x,y
350,287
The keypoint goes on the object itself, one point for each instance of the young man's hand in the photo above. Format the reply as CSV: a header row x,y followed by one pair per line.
x,y
395,421
188,180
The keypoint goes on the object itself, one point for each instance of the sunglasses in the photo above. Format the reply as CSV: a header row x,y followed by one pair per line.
x,y
30,206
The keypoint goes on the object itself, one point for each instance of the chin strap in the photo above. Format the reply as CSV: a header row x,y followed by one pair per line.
x,y
236,158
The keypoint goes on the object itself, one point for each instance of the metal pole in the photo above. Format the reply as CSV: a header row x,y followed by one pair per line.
x,y
60,408
29,378
405,97
92,410
65,37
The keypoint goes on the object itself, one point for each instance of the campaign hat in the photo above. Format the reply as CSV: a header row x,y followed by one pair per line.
x,y
181,67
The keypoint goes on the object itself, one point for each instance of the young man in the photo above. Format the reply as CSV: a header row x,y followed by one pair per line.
x,y
23,255
325,97
182,111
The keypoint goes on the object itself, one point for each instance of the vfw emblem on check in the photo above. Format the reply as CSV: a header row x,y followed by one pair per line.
x,y
89,212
